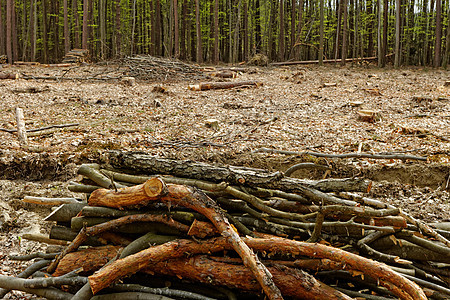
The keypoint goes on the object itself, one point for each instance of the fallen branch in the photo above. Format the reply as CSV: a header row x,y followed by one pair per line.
x,y
42,128
222,85
344,155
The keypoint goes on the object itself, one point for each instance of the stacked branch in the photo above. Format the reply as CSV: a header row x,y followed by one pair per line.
x,y
148,67
277,236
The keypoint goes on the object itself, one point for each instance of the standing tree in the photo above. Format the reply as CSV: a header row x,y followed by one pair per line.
x,y
199,56
281,35
379,40
76,25
102,27
66,28
344,32
84,39
321,33
397,32
176,29
447,42
9,31
438,32
2,30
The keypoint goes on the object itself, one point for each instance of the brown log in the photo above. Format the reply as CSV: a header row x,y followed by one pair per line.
x,y
90,259
202,229
100,228
223,85
292,282
402,287
9,76
155,189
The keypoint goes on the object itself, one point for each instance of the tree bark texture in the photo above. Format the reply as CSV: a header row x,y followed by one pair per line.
x,y
146,164
399,285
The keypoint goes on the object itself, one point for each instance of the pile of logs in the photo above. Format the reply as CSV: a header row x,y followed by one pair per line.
x,y
148,67
227,232
76,56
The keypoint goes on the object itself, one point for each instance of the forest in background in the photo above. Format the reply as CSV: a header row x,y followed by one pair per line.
x,y
416,32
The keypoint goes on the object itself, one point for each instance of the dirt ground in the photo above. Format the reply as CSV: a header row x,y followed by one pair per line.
x,y
297,108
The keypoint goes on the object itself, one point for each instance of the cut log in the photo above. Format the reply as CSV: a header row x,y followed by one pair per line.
x,y
223,85
150,165
90,259
399,285
294,283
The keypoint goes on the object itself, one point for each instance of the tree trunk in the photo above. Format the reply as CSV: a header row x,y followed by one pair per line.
x,y
438,33
45,31
258,41
158,27
84,40
321,3
370,28
66,28
15,48
397,33
236,34
2,30
184,30
245,38
133,29
293,31
9,31
118,30
199,56
379,36
300,27
338,29
176,29
33,25
102,24
76,25
447,42
425,36
281,37
385,31
344,32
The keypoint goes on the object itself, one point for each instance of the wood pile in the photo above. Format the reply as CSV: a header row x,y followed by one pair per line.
x,y
227,232
76,56
148,67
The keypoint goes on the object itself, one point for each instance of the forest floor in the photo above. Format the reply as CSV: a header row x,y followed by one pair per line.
x,y
297,108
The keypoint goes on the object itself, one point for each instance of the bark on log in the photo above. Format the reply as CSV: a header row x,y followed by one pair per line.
x,y
90,259
65,212
222,85
292,282
402,287
147,164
